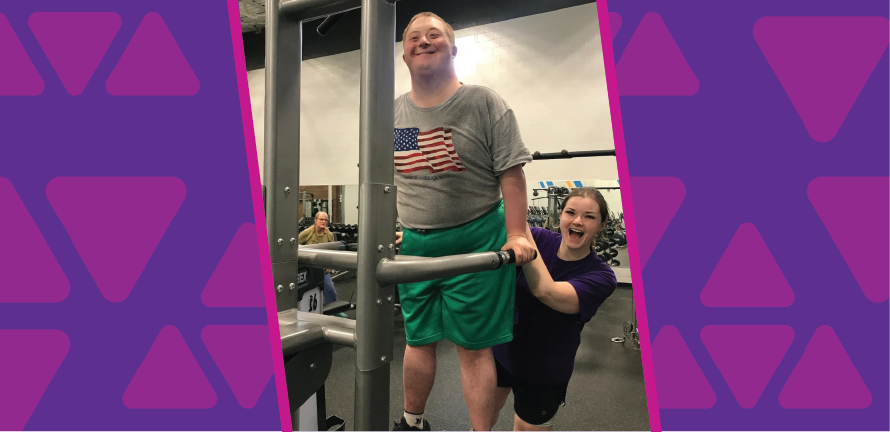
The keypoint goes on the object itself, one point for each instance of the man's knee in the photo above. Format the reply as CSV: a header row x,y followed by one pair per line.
x,y
473,356
429,348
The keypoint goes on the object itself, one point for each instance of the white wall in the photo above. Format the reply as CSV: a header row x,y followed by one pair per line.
x,y
548,67
350,204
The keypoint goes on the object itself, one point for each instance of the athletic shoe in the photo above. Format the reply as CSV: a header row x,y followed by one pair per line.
x,y
402,425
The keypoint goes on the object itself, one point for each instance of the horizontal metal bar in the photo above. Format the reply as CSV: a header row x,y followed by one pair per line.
x,y
302,337
411,258
303,330
414,270
328,23
328,259
565,154
305,10
326,246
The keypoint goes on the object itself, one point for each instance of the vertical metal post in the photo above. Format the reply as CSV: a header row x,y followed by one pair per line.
x,y
282,149
552,208
374,329
281,154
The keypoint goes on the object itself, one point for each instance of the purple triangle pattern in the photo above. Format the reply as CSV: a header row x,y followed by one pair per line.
x,y
735,283
169,377
28,364
656,201
242,354
747,356
18,76
29,272
822,87
102,214
153,64
237,280
681,382
867,256
825,377
652,63
75,42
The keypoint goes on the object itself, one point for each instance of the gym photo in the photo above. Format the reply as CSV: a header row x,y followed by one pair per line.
x,y
444,215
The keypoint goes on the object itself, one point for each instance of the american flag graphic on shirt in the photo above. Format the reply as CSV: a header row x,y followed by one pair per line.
x,y
431,150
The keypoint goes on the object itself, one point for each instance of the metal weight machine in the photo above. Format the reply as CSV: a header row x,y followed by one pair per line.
x,y
307,338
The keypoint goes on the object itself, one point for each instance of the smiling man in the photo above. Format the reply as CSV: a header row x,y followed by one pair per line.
x,y
461,189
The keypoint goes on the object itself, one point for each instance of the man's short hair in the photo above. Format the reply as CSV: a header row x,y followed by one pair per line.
x,y
449,32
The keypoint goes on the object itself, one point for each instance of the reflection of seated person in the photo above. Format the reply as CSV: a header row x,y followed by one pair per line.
x,y
319,233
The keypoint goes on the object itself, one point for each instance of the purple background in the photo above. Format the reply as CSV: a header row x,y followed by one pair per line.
x,y
198,139
742,151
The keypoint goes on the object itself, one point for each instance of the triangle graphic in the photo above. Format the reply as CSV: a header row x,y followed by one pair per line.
x,y
733,284
243,356
75,42
681,382
237,280
25,256
29,362
18,76
169,377
614,23
747,356
655,201
152,64
825,378
822,72
867,256
108,215
652,64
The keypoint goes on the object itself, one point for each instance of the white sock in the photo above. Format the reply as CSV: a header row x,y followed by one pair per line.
x,y
415,420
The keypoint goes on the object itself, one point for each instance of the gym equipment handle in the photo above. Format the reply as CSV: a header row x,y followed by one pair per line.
x,y
509,257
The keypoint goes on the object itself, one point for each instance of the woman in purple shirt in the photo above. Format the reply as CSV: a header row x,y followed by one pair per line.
x,y
556,294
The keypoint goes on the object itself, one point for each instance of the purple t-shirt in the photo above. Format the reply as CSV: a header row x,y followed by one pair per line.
x,y
545,341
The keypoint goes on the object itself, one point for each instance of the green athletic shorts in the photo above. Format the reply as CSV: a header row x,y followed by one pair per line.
x,y
474,310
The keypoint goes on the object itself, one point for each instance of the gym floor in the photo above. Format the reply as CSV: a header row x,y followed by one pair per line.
x,y
607,391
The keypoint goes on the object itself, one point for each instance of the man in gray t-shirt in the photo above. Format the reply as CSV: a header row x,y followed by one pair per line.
x,y
461,189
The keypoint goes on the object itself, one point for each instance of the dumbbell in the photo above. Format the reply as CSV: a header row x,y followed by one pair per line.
x,y
615,263
613,253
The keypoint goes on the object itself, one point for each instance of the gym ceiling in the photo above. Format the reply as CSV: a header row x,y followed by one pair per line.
x,y
344,36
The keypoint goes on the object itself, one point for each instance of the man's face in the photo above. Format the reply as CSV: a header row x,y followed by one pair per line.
x,y
426,47
321,220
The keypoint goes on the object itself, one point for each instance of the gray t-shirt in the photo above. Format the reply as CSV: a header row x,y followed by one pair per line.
x,y
448,158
